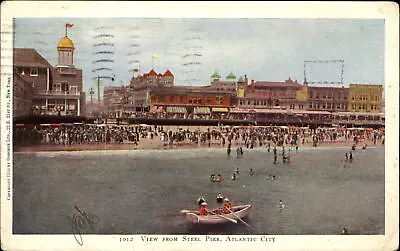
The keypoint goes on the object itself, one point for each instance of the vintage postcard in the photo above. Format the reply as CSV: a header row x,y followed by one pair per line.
x,y
199,126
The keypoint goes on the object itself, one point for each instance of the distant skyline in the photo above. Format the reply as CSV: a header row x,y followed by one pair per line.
x,y
192,49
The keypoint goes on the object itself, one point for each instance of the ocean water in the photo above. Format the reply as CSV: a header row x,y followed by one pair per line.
x,y
138,192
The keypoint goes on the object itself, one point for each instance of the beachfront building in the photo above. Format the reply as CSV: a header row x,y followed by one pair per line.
x,y
327,98
271,95
55,90
22,92
141,86
365,98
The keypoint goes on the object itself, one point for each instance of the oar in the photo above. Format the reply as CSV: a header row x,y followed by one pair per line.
x,y
225,217
238,217
185,211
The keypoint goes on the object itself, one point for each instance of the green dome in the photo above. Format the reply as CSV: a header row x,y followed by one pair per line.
x,y
215,75
231,76
240,79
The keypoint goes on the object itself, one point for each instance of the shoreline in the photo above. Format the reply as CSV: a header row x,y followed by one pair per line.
x,y
147,144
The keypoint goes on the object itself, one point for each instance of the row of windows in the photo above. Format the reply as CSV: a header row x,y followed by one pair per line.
x,y
191,100
326,96
365,98
364,107
327,106
259,102
33,72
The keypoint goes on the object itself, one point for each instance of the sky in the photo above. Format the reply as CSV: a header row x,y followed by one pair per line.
x,y
192,49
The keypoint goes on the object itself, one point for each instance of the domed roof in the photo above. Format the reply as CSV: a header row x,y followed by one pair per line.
x,y
230,76
240,79
65,42
215,75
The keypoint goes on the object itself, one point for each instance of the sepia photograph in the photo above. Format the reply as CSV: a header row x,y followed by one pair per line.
x,y
182,130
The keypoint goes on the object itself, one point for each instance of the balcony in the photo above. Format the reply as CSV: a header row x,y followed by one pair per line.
x,y
67,70
57,94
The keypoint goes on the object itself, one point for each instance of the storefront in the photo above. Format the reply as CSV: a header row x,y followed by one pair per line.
x,y
176,112
219,113
201,113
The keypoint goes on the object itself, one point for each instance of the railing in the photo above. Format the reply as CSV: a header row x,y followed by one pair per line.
x,y
68,93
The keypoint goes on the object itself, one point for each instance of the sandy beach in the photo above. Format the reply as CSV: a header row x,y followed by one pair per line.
x,y
156,144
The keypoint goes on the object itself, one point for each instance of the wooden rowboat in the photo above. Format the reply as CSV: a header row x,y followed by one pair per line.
x,y
242,211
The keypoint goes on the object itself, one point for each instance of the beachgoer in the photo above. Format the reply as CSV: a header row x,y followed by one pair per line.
x,y
251,171
351,156
227,206
346,155
220,198
281,205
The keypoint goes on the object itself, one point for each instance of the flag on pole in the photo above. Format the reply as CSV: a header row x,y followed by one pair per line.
x,y
154,57
69,25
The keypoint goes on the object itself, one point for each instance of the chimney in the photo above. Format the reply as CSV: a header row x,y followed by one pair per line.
x,y
252,84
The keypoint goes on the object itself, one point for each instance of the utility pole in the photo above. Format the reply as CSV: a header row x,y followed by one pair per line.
x,y
91,92
98,90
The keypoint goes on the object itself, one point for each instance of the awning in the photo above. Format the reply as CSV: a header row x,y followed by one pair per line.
x,y
270,111
241,110
176,109
219,109
201,110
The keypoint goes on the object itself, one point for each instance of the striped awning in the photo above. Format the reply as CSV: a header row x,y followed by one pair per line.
x,y
176,109
241,110
220,109
201,110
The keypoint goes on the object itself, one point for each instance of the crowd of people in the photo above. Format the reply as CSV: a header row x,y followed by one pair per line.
x,y
224,136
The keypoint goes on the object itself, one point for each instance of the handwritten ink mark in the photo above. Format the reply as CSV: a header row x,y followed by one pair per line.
x,y
80,222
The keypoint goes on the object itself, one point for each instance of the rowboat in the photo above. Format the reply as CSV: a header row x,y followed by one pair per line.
x,y
242,211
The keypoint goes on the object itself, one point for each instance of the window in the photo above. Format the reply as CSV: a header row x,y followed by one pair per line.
x,y
208,100
162,99
73,89
34,72
190,100
220,100
199,100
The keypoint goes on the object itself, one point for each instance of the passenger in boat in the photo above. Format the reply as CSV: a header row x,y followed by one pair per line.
x,y
237,170
203,210
212,178
227,206
201,200
220,198
351,156
233,176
